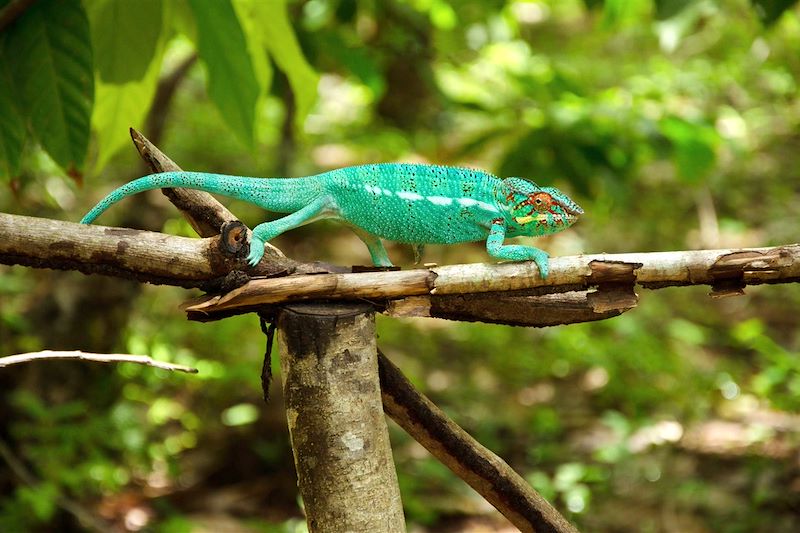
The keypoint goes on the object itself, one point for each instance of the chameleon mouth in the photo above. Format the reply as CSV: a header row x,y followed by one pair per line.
x,y
569,218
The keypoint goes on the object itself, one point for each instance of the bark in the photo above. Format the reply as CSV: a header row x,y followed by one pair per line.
x,y
727,271
341,447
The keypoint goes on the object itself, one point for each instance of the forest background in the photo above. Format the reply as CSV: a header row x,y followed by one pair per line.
x,y
674,123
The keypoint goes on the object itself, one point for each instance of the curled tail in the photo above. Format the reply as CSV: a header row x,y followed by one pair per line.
x,y
283,195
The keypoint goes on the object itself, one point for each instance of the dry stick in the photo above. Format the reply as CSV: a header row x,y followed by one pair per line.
x,y
728,271
484,471
97,357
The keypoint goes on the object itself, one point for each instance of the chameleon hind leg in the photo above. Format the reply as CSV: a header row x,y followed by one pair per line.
x,y
375,246
322,207
514,252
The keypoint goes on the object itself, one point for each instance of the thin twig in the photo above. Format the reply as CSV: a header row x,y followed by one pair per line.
x,y
96,357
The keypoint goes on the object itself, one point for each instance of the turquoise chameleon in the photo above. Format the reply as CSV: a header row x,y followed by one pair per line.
x,y
408,203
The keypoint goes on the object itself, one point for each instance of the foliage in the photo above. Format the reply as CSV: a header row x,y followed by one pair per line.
x,y
62,58
674,121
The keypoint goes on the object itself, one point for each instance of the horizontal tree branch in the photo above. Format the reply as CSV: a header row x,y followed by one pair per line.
x,y
727,271
143,255
96,357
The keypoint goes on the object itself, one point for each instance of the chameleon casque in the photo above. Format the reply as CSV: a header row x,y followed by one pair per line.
x,y
409,203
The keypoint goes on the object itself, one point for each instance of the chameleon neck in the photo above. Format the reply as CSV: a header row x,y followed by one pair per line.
x,y
281,195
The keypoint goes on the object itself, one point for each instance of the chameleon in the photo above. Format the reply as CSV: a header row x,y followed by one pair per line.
x,y
409,203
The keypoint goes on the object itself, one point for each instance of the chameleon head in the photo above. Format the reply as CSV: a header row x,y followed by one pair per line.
x,y
534,210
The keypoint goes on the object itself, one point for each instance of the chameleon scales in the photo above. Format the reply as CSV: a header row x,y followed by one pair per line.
x,y
410,203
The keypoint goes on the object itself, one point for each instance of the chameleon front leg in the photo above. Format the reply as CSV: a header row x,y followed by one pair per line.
x,y
322,207
514,252
375,246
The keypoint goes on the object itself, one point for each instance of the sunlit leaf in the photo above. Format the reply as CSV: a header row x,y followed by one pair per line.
x,y
12,128
52,73
222,47
256,44
285,50
125,36
119,107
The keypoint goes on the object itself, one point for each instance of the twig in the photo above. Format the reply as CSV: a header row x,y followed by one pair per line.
x,y
484,471
97,357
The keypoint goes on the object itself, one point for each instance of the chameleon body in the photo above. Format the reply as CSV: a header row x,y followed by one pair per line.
x,y
409,203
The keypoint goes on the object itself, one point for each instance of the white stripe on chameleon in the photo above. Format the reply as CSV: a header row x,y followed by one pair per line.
x,y
468,202
440,200
412,196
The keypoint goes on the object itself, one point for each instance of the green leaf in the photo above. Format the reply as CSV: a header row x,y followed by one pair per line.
x,y
285,50
222,47
53,77
694,147
769,11
256,45
125,35
119,107
12,127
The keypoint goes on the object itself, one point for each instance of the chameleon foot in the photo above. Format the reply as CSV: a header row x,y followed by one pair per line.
x,y
256,251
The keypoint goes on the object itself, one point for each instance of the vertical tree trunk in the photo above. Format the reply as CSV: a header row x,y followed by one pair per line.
x,y
339,436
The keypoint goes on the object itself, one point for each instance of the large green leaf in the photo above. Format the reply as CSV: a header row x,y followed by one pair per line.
x,y
12,127
285,50
222,47
53,77
256,46
121,106
125,35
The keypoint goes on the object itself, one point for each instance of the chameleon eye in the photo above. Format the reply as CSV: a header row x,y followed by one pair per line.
x,y
541,201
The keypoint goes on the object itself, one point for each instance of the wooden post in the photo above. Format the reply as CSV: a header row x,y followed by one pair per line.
x,y
340,441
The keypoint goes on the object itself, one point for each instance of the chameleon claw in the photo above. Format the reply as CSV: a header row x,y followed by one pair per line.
x,y
256,252
544,266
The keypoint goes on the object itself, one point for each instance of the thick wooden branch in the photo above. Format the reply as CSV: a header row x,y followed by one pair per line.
x,y
727,271
484,471
143,255
519,310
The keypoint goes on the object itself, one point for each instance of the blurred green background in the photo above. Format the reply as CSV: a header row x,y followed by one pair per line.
x,y
674,123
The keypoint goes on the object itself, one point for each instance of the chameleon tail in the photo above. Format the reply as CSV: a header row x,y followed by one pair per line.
x,y
283,195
